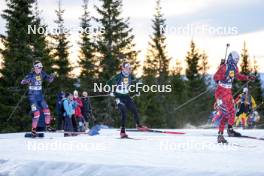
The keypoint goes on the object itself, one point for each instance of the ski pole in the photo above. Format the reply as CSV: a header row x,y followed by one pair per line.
x,y
95,96
190,100
227,46
14,110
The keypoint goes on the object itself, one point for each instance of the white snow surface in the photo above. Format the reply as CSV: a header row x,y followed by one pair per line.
x,y
153,154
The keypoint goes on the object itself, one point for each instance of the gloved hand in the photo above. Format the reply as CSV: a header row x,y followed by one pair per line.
x,y
25,81
252,78
51,78
219,102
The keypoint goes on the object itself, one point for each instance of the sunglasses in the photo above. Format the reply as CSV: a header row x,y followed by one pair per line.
x,y
38,67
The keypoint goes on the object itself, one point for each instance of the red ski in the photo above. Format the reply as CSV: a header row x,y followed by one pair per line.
x,y
156,131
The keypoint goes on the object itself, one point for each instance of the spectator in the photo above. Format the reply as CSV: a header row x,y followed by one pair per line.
x,y
78,114
59,110
68,110
87,109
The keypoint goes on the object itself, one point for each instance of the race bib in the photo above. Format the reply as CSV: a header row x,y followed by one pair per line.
x,y
38,78
232,74
125,81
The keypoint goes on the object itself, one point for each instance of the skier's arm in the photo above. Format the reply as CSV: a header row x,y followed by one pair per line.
x,y
27,79
47,77
220,74
112,81
241,77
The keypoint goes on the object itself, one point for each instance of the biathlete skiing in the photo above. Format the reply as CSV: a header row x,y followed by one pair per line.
x,y
124,102
224,77
36,98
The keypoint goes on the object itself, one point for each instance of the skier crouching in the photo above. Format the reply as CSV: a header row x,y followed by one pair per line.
x,y
37,102
124,102
225,76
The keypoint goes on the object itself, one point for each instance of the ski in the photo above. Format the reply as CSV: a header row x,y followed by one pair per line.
x,y
130,138
156,131
252,137
38,135
235,145
243,136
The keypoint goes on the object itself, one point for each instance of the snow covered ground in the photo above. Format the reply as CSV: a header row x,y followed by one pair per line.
x,y
195,153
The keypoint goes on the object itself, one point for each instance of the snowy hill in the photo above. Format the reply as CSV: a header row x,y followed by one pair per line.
x,y
195,153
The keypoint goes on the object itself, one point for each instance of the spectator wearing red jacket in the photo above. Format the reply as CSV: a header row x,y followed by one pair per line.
x,y
78,113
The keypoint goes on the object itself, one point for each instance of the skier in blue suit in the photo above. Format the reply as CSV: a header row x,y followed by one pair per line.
x,y
37,102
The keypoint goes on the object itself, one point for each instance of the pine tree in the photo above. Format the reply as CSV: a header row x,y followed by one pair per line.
x,y
157,62
256,90
87,54
196,85
156,70
61,53
245,64
18,58
193,57
175,119
114,45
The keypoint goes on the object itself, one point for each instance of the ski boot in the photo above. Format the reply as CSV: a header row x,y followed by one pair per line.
x,y
142,128
50,129
232,133
221,139
123,133
33,132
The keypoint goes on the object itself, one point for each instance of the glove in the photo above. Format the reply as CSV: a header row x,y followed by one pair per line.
x,y
219,102
51,78
117,101
222,61
140,81
25,81
252,78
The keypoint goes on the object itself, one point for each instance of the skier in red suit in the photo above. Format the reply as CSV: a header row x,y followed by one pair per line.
x,y
224,77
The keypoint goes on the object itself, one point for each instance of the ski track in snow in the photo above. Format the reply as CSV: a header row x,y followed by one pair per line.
x,y
195,153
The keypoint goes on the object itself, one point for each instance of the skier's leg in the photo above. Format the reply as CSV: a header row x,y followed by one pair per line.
x,y
132,107
35,111
245,120
46,111
123,112
231,116
231,110
239,120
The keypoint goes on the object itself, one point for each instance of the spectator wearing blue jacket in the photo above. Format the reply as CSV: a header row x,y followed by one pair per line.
x,y
69,108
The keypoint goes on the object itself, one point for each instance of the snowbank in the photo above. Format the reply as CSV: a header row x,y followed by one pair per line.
x,y
195,153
